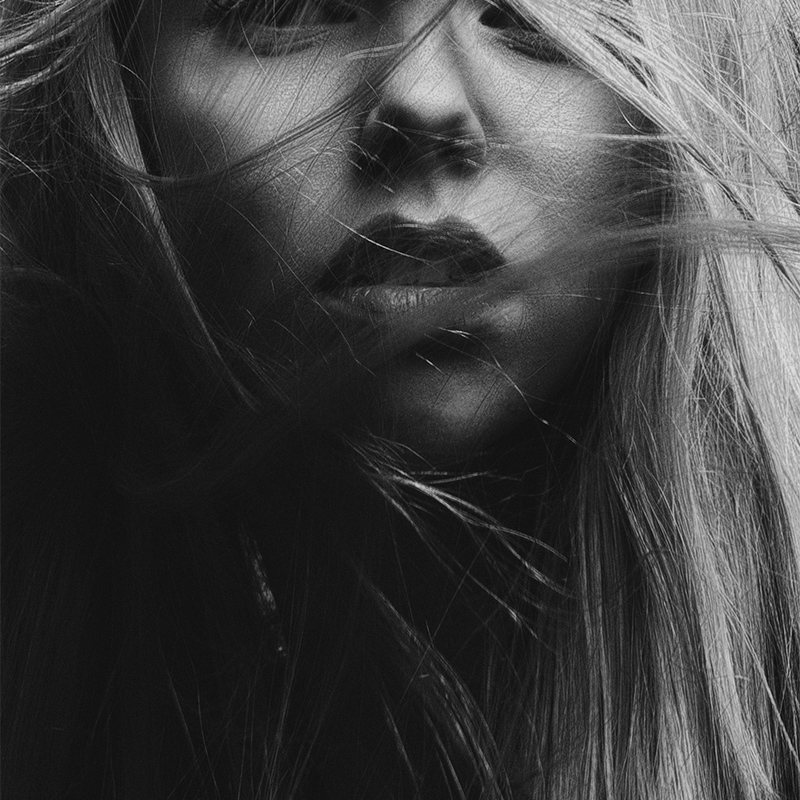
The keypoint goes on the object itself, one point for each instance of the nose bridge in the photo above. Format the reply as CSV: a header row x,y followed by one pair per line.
x,y
426,85
422,114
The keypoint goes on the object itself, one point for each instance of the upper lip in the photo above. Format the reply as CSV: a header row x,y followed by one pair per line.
x,y
393,250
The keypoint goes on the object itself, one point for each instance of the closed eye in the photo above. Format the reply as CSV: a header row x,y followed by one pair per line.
x,y
522,34
278,27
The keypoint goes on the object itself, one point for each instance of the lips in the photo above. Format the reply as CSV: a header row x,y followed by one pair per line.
x,y
395,252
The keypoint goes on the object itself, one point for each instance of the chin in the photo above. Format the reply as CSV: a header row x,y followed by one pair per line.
x,y
450,416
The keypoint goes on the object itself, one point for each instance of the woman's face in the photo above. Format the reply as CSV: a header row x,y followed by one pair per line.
x,y
394,180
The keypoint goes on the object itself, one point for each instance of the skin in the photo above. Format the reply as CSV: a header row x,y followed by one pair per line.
x,y
539,169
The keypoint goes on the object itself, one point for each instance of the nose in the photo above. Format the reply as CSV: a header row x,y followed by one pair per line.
x,y
422,122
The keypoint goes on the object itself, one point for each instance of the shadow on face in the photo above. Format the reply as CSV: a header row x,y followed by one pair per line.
x,y
450,179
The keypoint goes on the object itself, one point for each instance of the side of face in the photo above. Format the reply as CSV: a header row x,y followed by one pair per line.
x,y
483,124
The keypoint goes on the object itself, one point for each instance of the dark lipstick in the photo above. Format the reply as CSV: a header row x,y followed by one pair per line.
x,y
395,264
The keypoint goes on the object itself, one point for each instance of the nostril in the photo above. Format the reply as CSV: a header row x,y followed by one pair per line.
x,y
402,153
393,144
465,150
389,153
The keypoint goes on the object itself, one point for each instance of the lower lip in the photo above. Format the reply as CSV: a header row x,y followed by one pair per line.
x,y
389,300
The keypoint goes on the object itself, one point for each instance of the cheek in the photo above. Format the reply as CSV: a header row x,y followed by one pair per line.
x,y
229,102
253,244
566,176
566,169
561,162
250,234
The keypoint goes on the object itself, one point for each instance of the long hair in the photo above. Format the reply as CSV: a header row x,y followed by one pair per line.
x,y
206,593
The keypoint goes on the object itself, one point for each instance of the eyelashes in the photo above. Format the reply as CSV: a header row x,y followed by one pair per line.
x,y
522,34
279,27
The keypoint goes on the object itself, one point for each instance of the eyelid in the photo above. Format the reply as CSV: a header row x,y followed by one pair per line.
x,y
221,10
277,41
215,11
522,34
271,29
